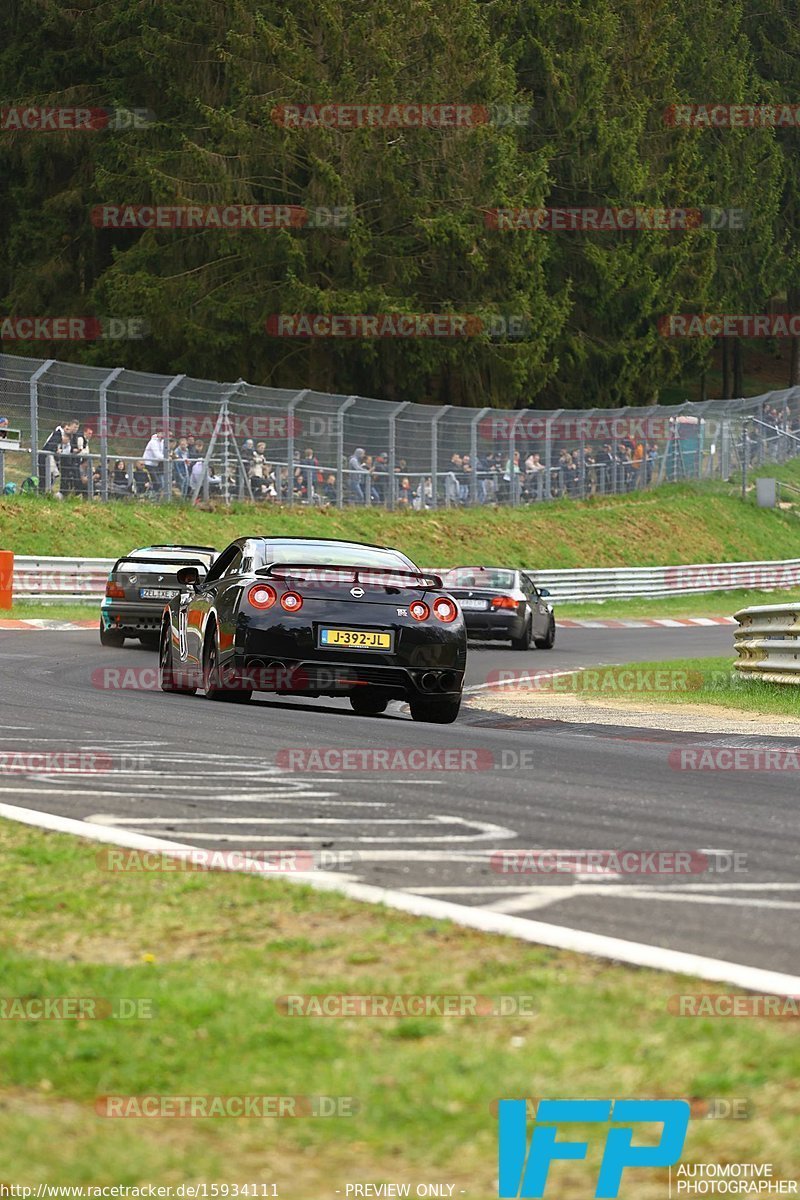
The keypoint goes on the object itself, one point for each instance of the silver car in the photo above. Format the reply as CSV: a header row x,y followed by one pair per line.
x,y
501,604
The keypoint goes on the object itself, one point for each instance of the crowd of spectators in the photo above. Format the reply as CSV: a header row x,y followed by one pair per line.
x,y
181,467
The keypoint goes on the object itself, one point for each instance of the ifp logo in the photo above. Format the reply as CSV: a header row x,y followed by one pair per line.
x,y
523,1170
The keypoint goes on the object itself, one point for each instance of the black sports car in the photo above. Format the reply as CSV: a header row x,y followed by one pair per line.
x,y
139,585
499,603
316,617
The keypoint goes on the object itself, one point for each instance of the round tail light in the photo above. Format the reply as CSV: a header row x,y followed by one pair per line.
x,y
261,595
445,609
419,610
291,602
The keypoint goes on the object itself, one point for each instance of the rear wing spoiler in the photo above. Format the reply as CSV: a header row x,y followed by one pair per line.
x,y
161,561
167,546
332,573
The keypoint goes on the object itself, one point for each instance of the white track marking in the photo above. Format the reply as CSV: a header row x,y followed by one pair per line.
x,y
540,933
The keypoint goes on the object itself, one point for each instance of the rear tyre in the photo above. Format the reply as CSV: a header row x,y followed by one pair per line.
x,y
368,703
213,684
109,638
549,640
151,641
524,642
166,671
436,712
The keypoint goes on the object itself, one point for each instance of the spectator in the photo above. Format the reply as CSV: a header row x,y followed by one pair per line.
x,y
52,447
141,479
155,454
359,475
121,484
182,468
329,488
404,493
311,473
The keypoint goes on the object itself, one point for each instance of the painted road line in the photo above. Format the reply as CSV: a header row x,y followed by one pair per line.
x,y
559,937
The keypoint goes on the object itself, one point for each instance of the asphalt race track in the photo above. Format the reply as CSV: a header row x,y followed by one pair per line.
x,y
211,775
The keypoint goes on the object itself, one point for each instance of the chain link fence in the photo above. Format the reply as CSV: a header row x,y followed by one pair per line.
x,y
120,435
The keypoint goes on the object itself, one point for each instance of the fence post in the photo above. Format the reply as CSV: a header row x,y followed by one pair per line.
x,y
445,408
103,394
166,489
348,403
295,400
515,479
391,488
34,386
473,451
548,452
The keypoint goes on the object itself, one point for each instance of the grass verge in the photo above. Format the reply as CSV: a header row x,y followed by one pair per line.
x,y
212,952
684,681
677,523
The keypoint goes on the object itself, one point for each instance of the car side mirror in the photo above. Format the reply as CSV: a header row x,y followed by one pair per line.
x,y
188,577
542,591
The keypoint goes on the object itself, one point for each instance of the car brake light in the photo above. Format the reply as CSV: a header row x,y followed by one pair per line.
x,y
419,610
261,595
115,591
503,602
445,610
291,602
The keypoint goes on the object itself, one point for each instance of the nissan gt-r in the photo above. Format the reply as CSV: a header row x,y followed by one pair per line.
x,y
316,617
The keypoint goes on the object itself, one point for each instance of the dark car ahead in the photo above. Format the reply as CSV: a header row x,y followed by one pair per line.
x,y
503,604
317,617
138,587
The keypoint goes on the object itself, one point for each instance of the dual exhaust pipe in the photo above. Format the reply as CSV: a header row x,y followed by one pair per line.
x,y
442,681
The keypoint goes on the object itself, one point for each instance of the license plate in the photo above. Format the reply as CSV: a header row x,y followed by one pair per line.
x,y
477,605
356,639
157,593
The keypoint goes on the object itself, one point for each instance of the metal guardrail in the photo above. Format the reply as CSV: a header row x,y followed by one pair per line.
x,y
767,642
83,579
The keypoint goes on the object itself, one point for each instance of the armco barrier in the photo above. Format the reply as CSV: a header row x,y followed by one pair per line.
x,y
768,643
83,579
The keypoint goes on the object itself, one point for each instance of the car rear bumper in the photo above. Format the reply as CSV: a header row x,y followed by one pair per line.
x,y
314,676
132,619
498,624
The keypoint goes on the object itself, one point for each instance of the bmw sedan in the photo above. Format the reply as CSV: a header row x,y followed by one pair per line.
x,y
139,585
316,617
501,604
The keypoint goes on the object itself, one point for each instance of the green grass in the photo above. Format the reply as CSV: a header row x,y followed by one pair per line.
x,y
717,604
52,612
677,523
213,952
711,681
